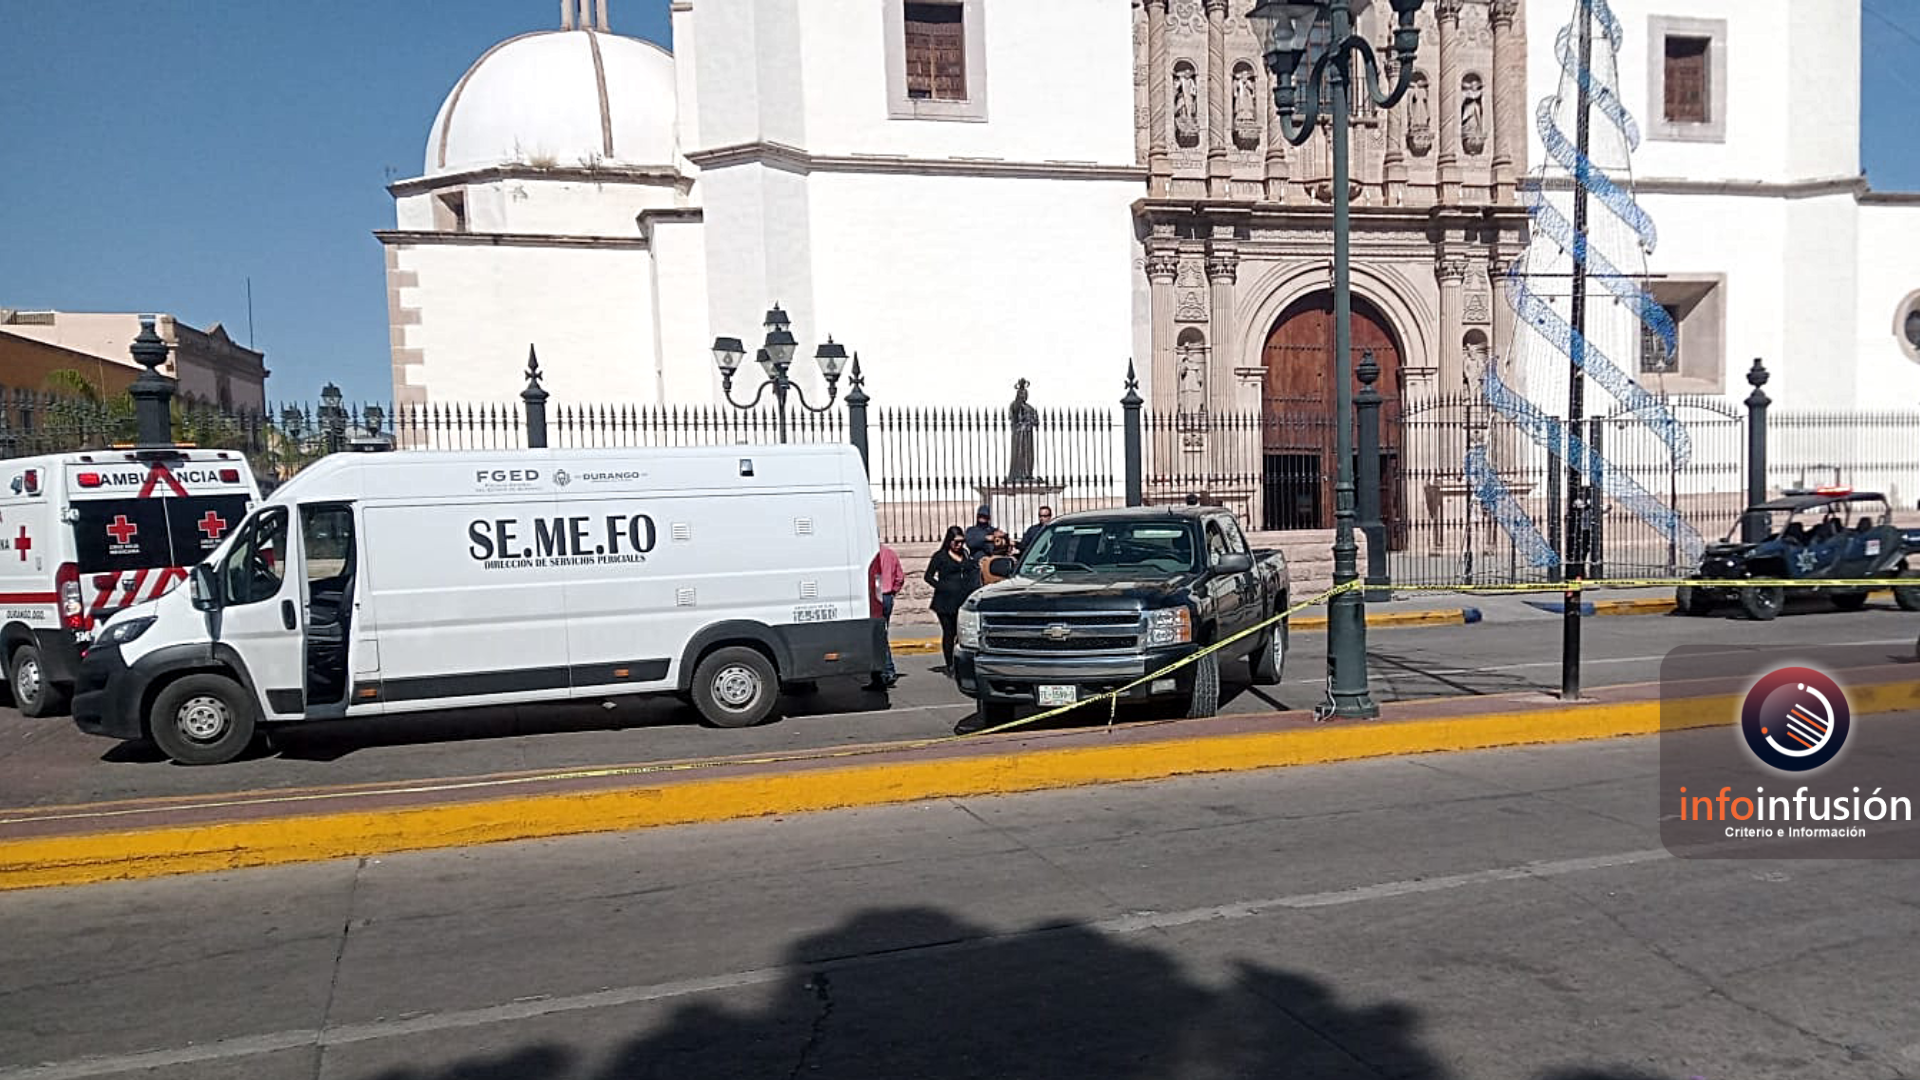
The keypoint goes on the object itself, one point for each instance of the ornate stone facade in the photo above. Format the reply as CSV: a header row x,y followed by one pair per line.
x,y
1431,182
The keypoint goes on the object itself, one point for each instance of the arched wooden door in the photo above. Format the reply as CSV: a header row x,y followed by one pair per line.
x,y
1299,410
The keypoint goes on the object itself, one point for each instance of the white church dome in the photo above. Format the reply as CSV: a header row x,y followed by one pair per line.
x,y
559,98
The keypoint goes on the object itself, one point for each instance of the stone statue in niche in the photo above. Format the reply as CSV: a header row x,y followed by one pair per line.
x,y
1246,108
1186,105
1193,380
1419,116
1026,420
1473,123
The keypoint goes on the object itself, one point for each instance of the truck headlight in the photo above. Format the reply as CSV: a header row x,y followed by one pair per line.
x,y
125,630
1171,627
967,630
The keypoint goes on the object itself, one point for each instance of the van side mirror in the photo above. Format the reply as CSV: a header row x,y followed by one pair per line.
x,y
1001,566
204,588
1234,562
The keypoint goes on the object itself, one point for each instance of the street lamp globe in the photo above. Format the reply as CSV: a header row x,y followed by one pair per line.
x,y
727,354
331,396
767,364
1283,29
832,358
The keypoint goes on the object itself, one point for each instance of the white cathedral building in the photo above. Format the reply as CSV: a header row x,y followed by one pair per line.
x,y
972,192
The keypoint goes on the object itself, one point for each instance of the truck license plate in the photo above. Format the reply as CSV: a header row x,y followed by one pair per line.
x,y
1059,695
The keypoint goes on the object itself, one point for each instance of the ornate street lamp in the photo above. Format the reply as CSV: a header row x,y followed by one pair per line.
x,y
775,358
1286,30
334,416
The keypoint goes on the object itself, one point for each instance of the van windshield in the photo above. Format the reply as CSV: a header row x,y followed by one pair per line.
x,y
151,533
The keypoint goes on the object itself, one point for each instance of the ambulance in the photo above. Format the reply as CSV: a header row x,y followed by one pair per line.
x,y
83,535
381,584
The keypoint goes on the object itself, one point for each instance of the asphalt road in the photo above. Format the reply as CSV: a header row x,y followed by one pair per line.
x,y
49,762
1505,914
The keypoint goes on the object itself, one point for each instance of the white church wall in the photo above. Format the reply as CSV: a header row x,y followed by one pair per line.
x,y
1738,240
679,284
1819,263
574,208
1751,39
952,288
760,252
1821,123
1058,82
1888,378
686,66
587,311
749,87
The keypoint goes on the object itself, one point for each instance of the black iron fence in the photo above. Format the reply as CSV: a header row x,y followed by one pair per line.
x,y
932,465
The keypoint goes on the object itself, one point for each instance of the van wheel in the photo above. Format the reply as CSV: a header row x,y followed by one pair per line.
x,y
1205,698
1852,600
1688,600
33,694
735,687
202,720
1271,658
1908,596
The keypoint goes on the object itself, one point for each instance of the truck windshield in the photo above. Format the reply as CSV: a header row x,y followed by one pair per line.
x,y
1115,546
147,534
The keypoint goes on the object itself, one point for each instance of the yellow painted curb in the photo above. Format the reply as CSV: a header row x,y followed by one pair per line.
x,y
1633,607
77,860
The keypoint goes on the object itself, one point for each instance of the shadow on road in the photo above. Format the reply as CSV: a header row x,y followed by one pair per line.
x,y
918,993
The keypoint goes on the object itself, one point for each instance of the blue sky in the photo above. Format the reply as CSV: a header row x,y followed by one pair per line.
x,y
155,154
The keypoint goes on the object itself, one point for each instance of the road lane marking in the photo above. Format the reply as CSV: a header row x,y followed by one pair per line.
x,y
536,1007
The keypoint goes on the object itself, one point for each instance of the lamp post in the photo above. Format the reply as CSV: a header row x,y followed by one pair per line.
x,y
776,359
1286,30
334,414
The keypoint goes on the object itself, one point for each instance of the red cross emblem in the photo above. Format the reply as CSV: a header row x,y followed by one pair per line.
x,y
122,530
213,525
23,543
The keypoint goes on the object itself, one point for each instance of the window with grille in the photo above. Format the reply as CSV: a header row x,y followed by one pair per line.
x,y
936,52
1654,358
1686,81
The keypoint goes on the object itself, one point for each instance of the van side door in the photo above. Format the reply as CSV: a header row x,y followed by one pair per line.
x,y
262,618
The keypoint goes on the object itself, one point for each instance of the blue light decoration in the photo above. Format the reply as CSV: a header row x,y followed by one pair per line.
x,y
1545,342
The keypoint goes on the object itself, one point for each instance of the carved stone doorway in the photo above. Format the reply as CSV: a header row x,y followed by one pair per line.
x,y
1298,413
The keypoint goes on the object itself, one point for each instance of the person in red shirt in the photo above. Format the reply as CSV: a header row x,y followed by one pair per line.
x,y
889,579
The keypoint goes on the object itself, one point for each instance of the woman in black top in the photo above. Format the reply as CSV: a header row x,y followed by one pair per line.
x,y
954,576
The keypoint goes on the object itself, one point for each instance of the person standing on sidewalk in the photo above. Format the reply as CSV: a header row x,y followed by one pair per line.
x,y
888,580
954,575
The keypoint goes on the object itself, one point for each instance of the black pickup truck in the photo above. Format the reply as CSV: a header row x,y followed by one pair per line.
x,y
1103,598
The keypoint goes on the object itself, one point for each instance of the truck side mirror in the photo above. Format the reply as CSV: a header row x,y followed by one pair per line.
x,y
1001,566
1234,562
204,588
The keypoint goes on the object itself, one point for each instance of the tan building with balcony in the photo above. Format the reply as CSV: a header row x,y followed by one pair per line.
x,y
212,368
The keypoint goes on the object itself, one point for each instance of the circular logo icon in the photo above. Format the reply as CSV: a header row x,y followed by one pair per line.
x,y
1795,719
560,477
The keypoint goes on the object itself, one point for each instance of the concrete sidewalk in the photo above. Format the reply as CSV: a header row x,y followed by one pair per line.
x,y
64,845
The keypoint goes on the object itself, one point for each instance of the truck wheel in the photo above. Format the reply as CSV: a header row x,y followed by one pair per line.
x,y
1270,660
202,720
995,713
1908,596
33,694
1205,698
1762,604
1688,600
735,687
1851,600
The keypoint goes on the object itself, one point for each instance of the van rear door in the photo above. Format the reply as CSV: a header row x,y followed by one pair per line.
x,y
137,526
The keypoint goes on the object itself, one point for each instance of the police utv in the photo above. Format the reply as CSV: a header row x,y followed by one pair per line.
x,y
1853,538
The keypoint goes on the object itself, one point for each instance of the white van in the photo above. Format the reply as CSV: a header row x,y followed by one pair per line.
x,y
83,535
389,583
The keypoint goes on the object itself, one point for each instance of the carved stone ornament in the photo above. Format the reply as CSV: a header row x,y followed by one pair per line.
x,y
1450,270
1163,265
1193,307
1448,10
1502,12
1223,267
1191,277
1419,116
1186,104
1473,126
1247,122
1187,18
1478,309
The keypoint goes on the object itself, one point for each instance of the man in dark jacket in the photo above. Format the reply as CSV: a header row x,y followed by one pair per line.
x,y
1033,531
980,534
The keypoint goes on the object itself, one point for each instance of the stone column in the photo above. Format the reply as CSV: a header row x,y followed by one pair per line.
x,y
1163,266
1506,98
1225,444
1159,86
1451,270
1393,165
1277,145
1219,82
1448,103
1503,343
